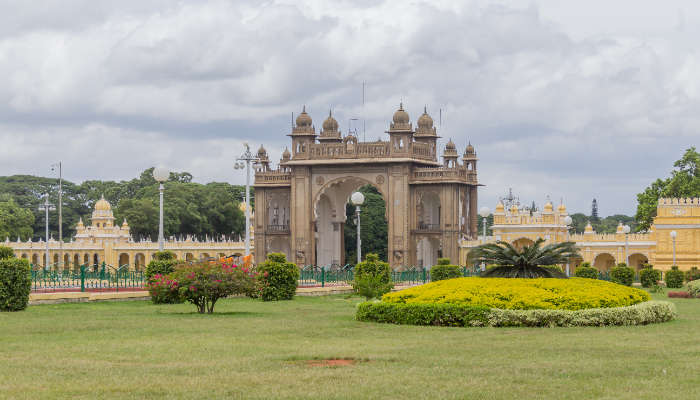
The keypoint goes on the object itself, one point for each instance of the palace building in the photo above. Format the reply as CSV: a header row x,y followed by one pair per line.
x,y
602,250
430,203
103,241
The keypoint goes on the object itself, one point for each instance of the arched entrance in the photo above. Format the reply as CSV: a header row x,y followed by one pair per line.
x,y
35,259
522,242
189,257
335,226
636,260
123,260
139,261
604,262
427,251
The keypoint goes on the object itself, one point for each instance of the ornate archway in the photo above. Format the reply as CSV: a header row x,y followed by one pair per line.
x,y
604,262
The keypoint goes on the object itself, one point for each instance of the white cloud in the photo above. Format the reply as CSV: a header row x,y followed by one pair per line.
x,y
557,101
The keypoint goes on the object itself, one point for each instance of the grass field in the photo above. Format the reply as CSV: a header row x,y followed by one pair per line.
x,y
250,349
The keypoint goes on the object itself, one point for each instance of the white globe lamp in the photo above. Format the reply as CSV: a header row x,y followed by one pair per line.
x,y
161,174
357,199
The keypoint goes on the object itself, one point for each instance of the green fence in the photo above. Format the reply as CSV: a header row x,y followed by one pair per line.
x,y
312,275
86,278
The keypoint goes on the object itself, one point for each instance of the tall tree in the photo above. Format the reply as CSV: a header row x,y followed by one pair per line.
x,y
15,221
684,182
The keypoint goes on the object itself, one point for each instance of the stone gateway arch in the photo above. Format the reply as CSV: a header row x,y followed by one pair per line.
x,y
430,204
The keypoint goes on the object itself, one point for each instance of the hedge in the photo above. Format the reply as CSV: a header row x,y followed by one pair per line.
x,y
622,274
464,315
15,284
674,278
444,270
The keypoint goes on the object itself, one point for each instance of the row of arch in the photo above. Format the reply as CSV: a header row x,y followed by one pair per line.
x,y
75,259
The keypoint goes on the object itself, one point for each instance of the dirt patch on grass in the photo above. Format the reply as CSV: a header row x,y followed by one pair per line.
x,y
332,362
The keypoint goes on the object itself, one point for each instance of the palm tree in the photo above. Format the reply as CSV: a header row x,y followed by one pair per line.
x,y
526,263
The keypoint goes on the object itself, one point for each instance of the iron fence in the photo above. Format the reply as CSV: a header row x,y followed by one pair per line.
x,y
86,278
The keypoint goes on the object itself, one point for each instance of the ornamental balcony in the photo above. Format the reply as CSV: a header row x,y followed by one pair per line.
x,y
279,229
428,228
443,174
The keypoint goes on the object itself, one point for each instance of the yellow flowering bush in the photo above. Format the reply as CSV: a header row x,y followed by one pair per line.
x,y
522,294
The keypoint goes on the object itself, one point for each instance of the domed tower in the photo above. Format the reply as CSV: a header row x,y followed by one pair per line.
x,y
450,155
330,132
303,135
426,133
102,216
400,132
469,158
264,159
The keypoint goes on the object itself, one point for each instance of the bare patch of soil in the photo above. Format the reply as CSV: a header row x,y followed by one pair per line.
x,y
331,362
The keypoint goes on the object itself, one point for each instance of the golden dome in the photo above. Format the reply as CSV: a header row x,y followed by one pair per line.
x,y
401,116
561,208
620,228
548,207
102,205
499,207
125,224
514,209
330,124
304,119
80,223
425,121
589,228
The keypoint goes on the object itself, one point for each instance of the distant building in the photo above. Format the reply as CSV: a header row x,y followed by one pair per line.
x,y
103,241
604,250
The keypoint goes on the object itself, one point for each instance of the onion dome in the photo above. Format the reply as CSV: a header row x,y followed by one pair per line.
x,y
589,228
102,205
304,119
330,124
286,155
514,209
548,207
561,209
500,209
425,121
469,150
401,116
450,145
125,225
262,153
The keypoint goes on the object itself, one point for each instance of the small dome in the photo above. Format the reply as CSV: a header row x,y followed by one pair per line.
x,y
102,205
499,207
450,145
561,208
330,124
80,223
469,150
425,121
304,119
589,228
548,207
401,116
620,228
514,209
286,154
262,153
125,224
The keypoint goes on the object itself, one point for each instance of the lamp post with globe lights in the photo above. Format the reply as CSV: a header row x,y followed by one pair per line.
x,y
46,206
673,237
357,199
626,230
161,175
244,161
567,222
484,212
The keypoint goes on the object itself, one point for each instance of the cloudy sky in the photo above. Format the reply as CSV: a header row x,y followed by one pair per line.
x,y
569,99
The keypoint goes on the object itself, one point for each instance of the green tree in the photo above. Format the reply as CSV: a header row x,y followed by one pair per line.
x,y
526,263
684,182
14,221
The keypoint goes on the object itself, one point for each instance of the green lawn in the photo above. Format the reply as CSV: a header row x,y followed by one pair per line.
x,y
251,349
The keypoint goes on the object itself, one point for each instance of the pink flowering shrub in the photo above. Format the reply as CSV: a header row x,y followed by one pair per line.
x,y
204,283
163,289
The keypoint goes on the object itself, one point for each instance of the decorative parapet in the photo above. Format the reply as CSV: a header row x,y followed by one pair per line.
x,y
273,178
351,149
441,174
610,237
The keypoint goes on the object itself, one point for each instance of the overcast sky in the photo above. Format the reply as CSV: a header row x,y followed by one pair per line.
x,y
571,99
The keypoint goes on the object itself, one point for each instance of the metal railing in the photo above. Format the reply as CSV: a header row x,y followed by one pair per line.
x,y
311,275
84,278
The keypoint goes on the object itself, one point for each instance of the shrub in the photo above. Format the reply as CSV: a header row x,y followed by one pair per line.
x,y
467,315
160,267
15,283
277,278
373,277
6,252
522,293
692,274
649,276
674,278
164,255
694,288
202,284
444,270
622,274
586,271
163,289
680,295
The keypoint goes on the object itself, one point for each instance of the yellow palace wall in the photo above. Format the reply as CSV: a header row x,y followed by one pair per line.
x,y
603,251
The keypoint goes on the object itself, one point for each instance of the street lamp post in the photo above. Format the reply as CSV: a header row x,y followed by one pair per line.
x,y
485,212
60,211
673,236
47,207
626,230
357,199
248,158
161,175
567,223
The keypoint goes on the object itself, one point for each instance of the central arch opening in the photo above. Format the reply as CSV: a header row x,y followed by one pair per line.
x,y
335,227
